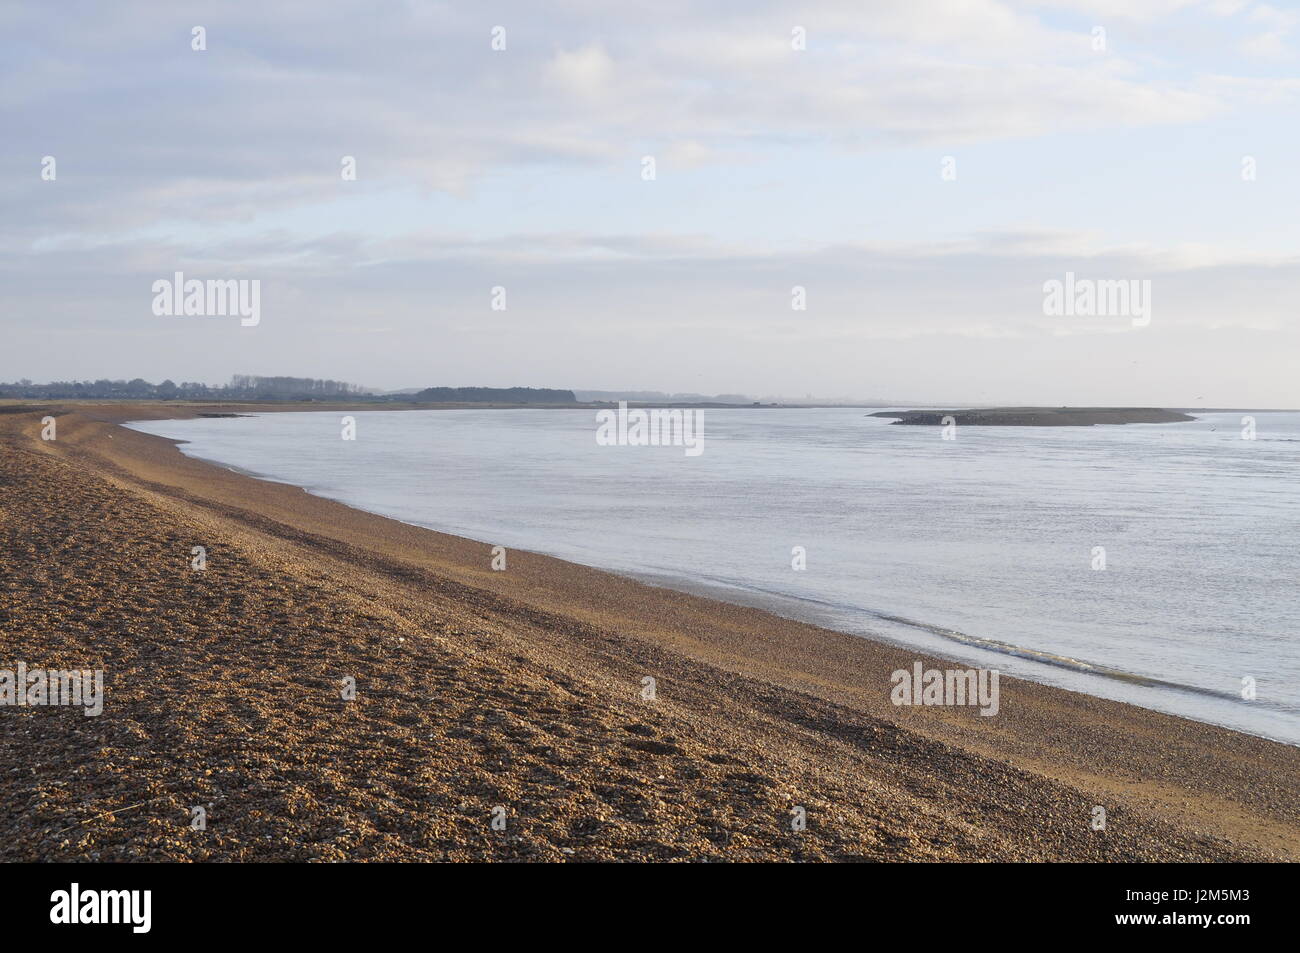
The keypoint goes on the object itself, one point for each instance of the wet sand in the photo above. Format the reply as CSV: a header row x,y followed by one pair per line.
x,y
516,692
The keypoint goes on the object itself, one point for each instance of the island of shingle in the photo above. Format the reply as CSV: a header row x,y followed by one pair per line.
x,y
1037,416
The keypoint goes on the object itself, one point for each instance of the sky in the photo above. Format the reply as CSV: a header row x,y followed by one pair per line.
x,y
919,169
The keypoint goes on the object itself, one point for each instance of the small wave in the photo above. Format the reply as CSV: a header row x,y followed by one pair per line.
x,y
1050,658
716,585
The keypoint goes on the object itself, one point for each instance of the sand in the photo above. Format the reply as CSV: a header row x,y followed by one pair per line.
x,y
516,695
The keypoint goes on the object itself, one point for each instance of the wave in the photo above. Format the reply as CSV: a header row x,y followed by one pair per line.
x,y
990,645
1075,664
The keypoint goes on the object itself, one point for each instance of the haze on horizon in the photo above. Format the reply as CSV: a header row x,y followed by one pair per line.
x,y
775,167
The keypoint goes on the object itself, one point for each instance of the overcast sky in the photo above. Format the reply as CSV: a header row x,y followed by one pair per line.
x,y
774,167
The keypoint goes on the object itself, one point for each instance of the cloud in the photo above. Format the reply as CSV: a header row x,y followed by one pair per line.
x,y
585,72
147,130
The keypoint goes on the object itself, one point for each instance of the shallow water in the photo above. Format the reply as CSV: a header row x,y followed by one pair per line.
x,y
980,548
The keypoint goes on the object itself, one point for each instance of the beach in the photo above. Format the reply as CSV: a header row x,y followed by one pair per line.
x,y
516,696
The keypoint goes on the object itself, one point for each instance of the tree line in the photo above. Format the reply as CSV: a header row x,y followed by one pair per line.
x,y
252,387
241,387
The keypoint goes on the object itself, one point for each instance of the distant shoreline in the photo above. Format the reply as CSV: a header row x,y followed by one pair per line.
x,y
182,409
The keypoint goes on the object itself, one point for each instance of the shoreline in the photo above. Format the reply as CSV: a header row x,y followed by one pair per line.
x,y
801,610
750,680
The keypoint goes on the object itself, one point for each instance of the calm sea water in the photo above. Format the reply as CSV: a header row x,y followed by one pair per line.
x,y
980,549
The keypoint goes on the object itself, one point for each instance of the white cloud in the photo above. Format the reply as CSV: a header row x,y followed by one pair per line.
x,y
153,130
586,72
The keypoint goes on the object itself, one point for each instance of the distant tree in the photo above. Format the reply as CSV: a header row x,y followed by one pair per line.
x,y
497,395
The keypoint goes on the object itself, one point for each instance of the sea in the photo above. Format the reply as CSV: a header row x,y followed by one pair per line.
x,y
1157,564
